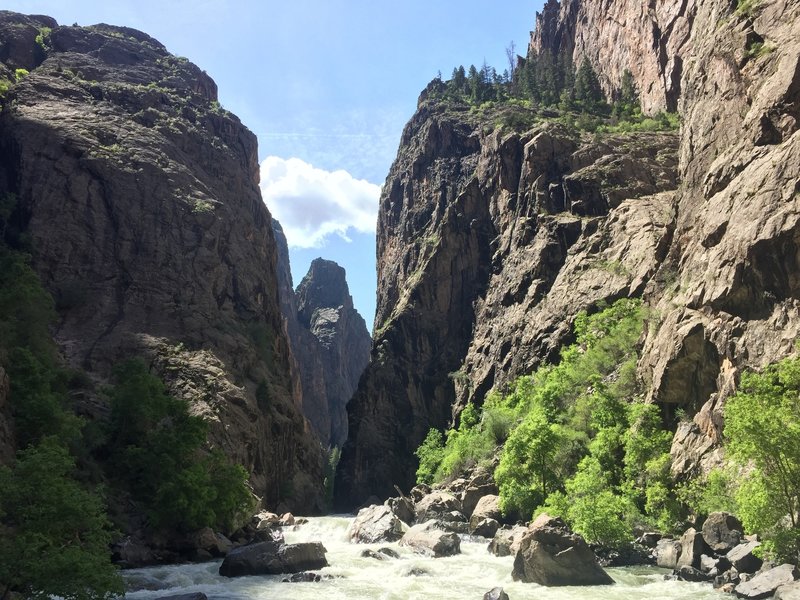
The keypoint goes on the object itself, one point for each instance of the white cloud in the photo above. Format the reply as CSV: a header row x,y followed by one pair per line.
x,y
312,203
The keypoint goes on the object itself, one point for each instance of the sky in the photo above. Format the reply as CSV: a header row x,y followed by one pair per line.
x,y
326,86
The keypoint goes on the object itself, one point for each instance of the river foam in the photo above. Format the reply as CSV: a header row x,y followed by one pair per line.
x,y
411,577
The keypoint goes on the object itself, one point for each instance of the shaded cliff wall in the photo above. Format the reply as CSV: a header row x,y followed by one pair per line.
x,y
329,338
146,223
491,241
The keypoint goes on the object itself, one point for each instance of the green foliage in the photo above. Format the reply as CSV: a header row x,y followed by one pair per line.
x,y
587,91
747,8
572,438
762,427
20,74
190,489
713,492
55,535
43,38
528,469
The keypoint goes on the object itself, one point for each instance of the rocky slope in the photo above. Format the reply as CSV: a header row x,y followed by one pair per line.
x,y
146,223
329,339
491,240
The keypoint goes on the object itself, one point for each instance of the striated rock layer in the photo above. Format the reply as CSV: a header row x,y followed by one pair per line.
x,y
146,223
329,339
490,240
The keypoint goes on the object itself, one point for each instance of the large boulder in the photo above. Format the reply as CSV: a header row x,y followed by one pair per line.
x,y
506,541
742,558
376,524
430,539
435,505
480,486
208,541
722,532
766,583
485,528
692,548
272,558
668,552
403,508
550,554
488,507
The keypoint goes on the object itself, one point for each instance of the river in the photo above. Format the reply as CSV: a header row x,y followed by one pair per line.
x,y
411,577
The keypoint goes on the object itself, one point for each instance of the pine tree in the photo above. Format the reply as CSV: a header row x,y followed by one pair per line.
x,y
588,92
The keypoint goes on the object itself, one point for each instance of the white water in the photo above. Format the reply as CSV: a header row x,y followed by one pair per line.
x,y
468,575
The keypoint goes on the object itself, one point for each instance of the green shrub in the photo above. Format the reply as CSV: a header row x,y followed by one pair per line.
x,y
762,427
20,74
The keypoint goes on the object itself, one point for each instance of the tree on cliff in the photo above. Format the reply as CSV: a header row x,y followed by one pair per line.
x,y
588,92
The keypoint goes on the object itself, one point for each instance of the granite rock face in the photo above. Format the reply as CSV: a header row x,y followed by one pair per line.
x,y
329,339
146,224
491,239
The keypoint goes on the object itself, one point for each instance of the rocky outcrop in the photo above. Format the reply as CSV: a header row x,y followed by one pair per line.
x,y
549,554
329,340
146,224
491,240
273,558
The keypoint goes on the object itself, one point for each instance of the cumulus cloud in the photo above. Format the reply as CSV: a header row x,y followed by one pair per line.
x,y
312,203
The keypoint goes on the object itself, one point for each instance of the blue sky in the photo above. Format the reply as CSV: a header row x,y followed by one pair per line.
x,y
327,86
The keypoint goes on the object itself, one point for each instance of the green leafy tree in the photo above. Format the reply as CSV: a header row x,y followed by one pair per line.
x,y
762,428
528,471
430,454
55,535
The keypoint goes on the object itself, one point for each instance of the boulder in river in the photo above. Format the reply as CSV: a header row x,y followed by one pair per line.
x,y
438,505
376,524
766,583
488,507
497,593
693,546
668,551
430,539
722,532
743,559
272,558
550,554
506,541
485,528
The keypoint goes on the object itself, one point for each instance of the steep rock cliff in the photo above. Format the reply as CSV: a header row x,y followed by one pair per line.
x,y
329,339
146,223
491,241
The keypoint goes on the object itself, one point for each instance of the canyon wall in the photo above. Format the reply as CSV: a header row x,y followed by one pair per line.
x,y
144,220
493,236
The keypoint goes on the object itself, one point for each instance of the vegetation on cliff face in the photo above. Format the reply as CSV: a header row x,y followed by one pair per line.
x,y
54,532
190,489
545,87
573,438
